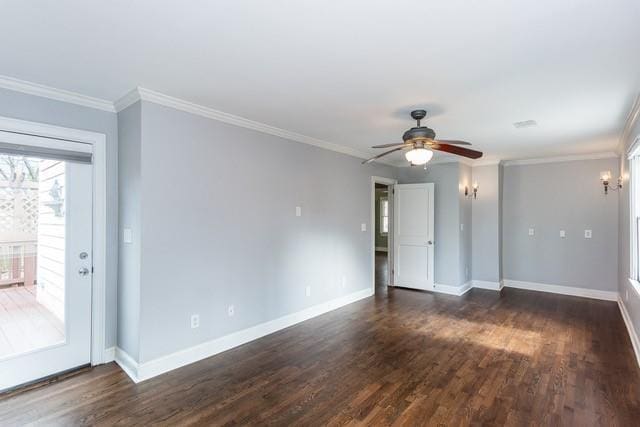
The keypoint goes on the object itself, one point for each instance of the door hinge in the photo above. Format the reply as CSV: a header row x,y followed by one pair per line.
x,y
92,269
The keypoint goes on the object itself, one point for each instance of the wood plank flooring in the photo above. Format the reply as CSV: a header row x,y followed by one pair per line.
x,y
25,324
400,358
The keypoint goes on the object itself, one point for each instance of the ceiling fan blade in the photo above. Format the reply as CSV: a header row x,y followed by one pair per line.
x,y
460,151
380,155
451,141
389,145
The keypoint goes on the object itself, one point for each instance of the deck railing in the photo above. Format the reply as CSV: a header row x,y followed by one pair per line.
x,y
18,262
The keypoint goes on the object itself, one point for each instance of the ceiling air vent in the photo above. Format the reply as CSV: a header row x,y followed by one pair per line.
x,y
525,124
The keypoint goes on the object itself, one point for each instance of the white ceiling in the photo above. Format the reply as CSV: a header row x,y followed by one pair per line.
x,y
348,72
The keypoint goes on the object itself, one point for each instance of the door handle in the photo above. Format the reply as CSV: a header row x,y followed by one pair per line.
x,y
83,271
429,242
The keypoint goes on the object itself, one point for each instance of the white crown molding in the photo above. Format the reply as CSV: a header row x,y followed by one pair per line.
x,y
148,95
56,94
630,122
577,157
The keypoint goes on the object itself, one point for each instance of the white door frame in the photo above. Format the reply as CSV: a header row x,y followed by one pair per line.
x,y
385,181
98,142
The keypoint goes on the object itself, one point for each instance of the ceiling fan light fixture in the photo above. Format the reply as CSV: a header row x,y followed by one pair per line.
x,y
419,156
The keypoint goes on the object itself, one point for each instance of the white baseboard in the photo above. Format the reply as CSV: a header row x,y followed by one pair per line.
x,y
563,290
635,341
128,364
452,290
109,354
143,371
483,284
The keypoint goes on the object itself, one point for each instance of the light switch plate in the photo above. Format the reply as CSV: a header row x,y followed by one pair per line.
x,y
531,232
461,227
308,291
587,234
363,227
298,211
563,234
127,235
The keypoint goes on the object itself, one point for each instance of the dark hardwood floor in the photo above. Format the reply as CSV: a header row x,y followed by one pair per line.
x,y
400,358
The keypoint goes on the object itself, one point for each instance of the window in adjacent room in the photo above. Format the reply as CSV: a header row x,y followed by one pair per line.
x,y
384,216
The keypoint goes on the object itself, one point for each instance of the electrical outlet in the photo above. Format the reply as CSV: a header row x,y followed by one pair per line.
x,y
298,211
532,232
308,291
195,321
587,234
231,310
127,235
344,282
461,227
563,234
363,227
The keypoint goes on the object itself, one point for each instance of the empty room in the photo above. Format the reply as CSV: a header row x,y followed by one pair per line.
x,y
320,213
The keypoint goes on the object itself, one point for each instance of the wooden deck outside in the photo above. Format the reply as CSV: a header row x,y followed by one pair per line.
x,y
25,324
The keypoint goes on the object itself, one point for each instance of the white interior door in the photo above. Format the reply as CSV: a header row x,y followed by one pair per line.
x,y
45,307
413,236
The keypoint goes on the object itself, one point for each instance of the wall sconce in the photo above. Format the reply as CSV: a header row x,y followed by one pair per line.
x,y
605,177
475,190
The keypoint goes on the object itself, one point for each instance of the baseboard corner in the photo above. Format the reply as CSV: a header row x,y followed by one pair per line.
x,y
127,364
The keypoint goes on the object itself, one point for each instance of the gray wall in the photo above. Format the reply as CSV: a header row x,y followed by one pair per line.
x,y
553,196
214,233
466,224
629,295
446,178
129,183
486,224
42,110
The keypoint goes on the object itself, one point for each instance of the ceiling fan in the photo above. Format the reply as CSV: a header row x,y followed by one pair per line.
x,y
420,142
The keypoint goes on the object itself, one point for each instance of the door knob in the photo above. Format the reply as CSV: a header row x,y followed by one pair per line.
x,y
83,271
430,242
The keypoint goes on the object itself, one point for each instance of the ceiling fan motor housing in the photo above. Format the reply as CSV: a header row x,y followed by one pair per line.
x,y
418,134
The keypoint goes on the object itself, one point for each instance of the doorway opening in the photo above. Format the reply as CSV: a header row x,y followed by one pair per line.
x,y
382,233
32,225
382,227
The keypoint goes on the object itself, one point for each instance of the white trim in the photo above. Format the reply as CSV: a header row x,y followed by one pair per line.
x,y
98,142
632,117
109,354
143,371
572,158
148,95
633,335
452,290
562,290
62,95
128,364
386,181
382,249
483,284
